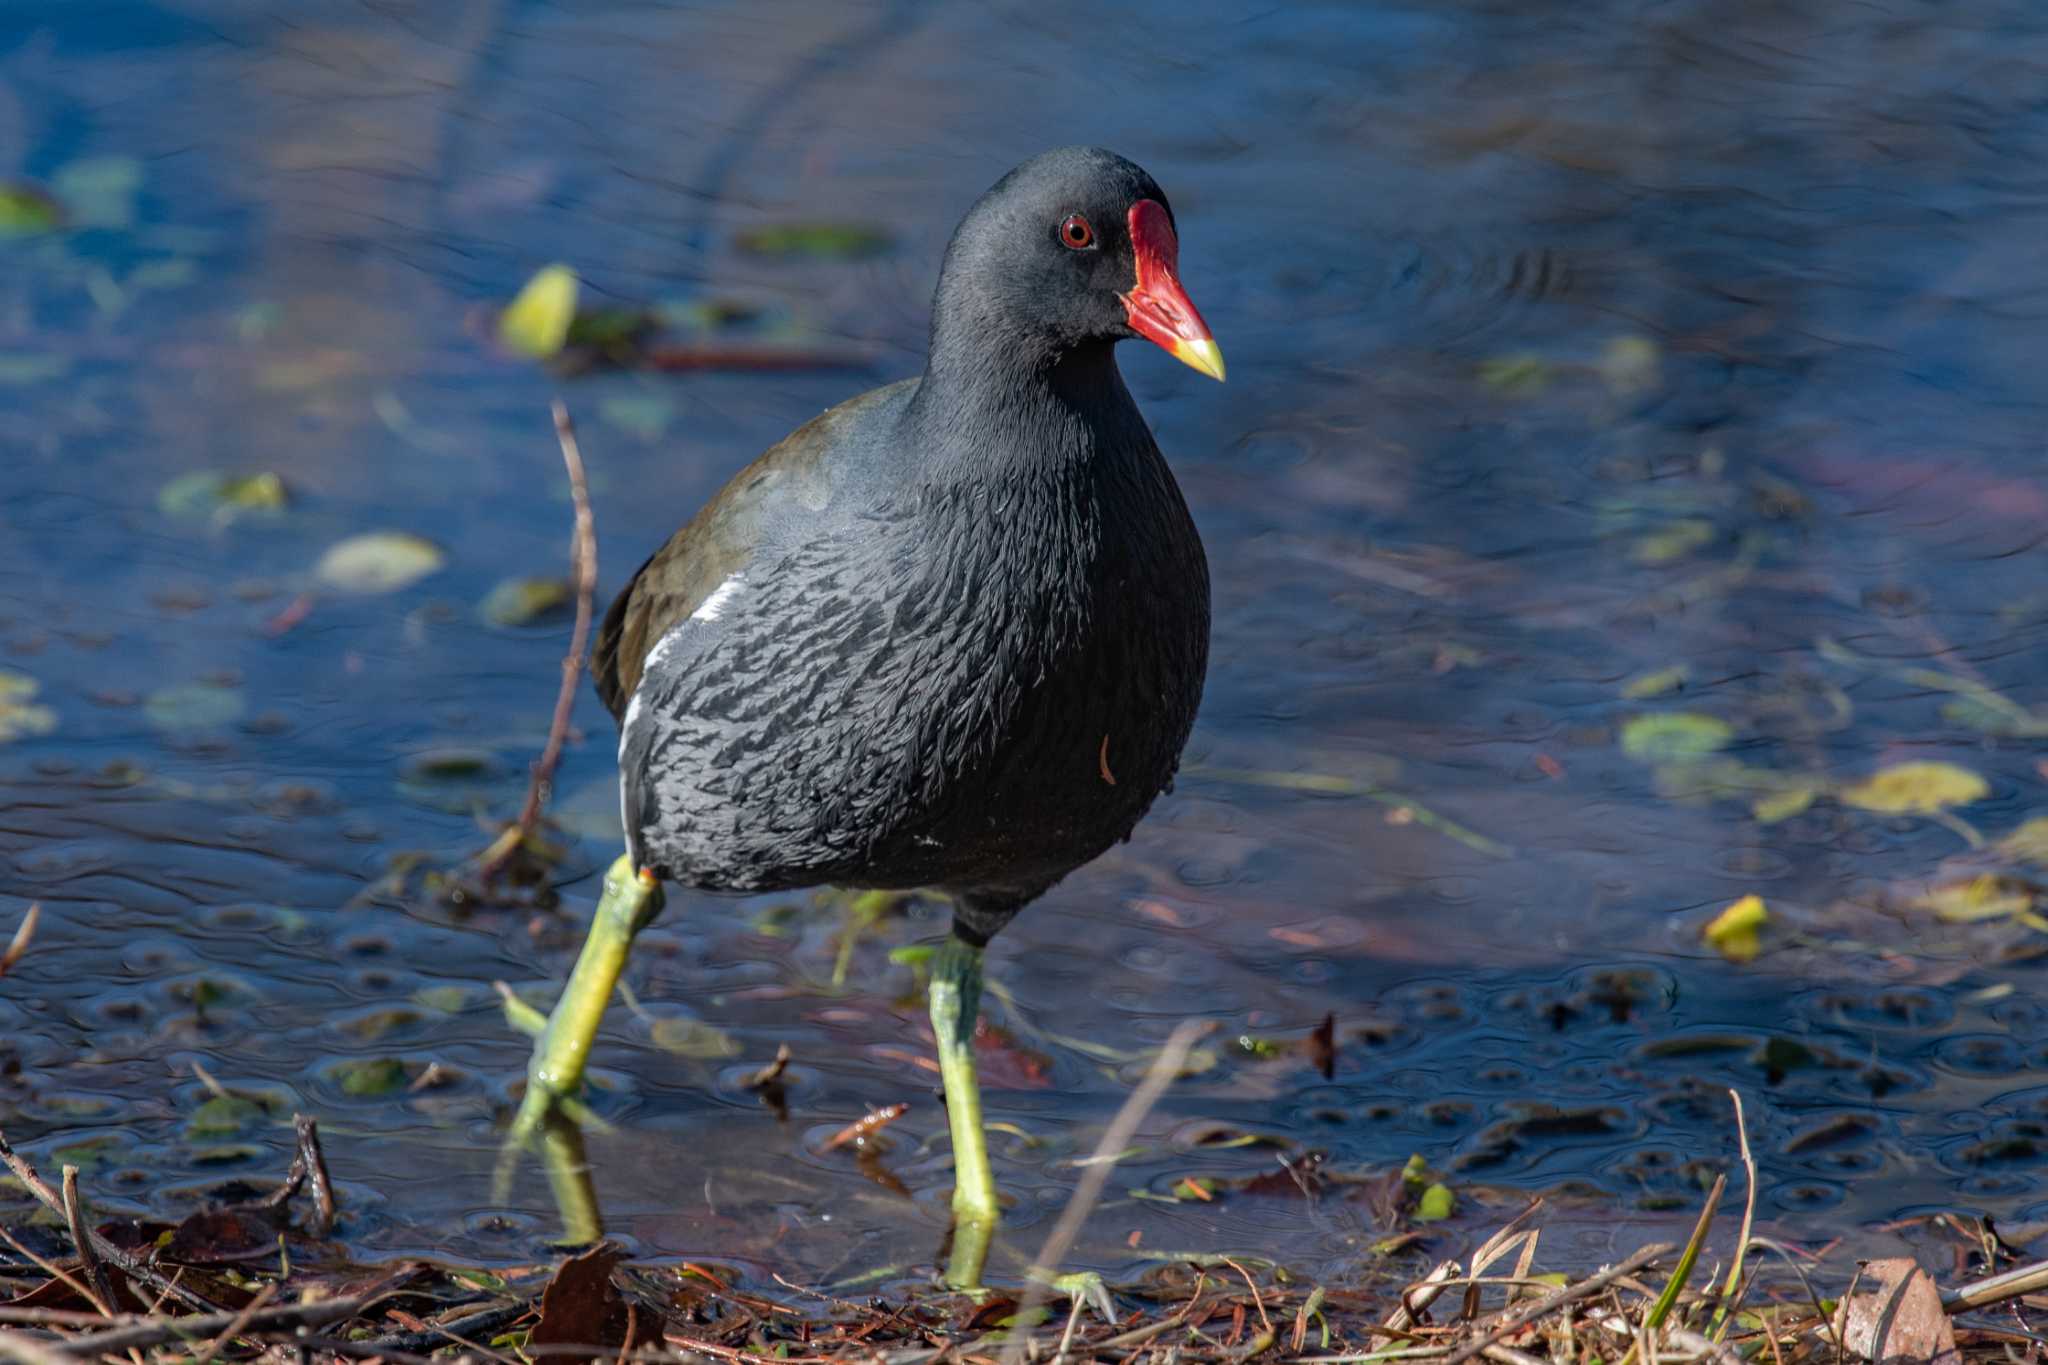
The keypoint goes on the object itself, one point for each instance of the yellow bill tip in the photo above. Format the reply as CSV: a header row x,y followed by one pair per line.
x,y
1204,355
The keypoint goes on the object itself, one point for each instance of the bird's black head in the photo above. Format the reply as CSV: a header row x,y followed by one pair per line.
x,y
1075,247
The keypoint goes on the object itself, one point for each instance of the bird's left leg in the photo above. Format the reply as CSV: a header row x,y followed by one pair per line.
x,y
562,1047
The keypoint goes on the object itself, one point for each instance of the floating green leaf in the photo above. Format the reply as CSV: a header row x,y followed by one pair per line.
x,y
370,1077
194,706
814,241
26,211
1735,931
20,716
537,322
223,1116
378,562
1916,789
523,601
441,999
1437,1203
1674,736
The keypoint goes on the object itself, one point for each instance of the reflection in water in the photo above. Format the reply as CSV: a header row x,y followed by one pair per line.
x,y
1582,372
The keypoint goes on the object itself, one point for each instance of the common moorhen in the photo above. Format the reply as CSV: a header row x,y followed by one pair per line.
x,y
951,634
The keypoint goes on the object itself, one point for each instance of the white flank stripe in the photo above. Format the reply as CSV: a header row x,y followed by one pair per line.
x,y
714,605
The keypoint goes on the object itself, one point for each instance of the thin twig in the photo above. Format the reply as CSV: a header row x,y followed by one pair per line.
x,y
22,935
130,1266
1550,1303
1088,1189
316,1172
2025,1279
256,1304
1731,1295
583,557
74,1218
480,1324
1257,1299
61,1275
156,1331
24,1349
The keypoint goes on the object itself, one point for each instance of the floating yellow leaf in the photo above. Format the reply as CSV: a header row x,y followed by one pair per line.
x,y
381,561
1674,736
1917,789
1734,931
2028,843
1769,810
537,322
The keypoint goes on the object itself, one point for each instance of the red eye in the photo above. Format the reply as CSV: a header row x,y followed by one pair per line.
x,y
1076,233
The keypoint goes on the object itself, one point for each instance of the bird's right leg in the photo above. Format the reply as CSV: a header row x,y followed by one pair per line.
x,y
955,996
562,1047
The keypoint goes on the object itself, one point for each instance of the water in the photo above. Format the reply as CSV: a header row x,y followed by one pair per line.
x,y
1568,346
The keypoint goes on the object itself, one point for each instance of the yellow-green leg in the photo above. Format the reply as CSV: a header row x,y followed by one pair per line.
x,y
562,1047
955,1002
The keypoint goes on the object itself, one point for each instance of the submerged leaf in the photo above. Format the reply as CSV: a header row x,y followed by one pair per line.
x,y
1916,788
21,369
2028,843
1674,736
523,601
1735,930
1516,376
19,716
1675,541
1988,896
100,191
693,1038
1656,684
194,706
814,241
1630,365
537,322
211,493
378,562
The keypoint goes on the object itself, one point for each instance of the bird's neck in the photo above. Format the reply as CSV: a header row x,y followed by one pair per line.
x,y
990,415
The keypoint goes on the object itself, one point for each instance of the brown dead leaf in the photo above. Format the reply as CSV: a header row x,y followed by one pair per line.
x,y
578,1306
1900,1322
235,1233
